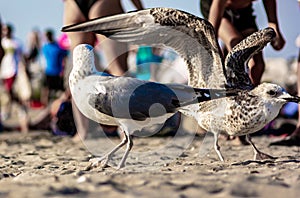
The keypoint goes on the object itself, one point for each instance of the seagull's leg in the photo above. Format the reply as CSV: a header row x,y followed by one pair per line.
x,y
128,148
258,155
217,147
104,160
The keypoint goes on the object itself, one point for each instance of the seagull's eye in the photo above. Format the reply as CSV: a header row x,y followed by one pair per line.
x,y
272,93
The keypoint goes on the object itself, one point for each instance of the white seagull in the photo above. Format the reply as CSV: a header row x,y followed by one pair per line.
x,y
195,41
130,103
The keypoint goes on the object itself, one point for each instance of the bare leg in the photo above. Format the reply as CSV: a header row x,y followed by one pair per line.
x,y
45,96
104,160
116,56
217,147
231,36
82,124
257,68
6,104
258,155
115,52
256,64
72,15
23,117
128,148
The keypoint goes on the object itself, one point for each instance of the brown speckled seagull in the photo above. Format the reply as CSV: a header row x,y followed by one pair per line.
x,y
194,40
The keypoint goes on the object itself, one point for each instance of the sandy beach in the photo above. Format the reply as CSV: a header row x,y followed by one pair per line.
x,y
39,164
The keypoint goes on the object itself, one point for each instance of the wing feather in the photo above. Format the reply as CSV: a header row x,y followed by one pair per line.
x,y
236,62
191,37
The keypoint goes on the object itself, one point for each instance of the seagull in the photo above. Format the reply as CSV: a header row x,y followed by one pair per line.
x,y
130,103
195,41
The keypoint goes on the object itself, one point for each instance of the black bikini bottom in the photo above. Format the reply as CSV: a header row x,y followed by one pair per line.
x,y
85,6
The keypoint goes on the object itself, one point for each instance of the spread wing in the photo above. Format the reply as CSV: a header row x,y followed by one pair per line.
x,y
236,62
191,37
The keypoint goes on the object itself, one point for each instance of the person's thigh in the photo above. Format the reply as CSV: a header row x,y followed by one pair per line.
x,y
103,8
73,15
115,52
228,34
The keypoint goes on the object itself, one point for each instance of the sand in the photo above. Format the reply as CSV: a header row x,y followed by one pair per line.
x,y
39,164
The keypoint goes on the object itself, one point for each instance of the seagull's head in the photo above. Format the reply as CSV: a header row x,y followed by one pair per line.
x,y
83,56
275,93
83,63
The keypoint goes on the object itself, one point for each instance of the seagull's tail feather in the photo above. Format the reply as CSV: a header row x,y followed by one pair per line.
x,y
209,94
203,95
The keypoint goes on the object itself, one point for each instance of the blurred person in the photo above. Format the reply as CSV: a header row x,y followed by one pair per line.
x,y
32,53
64,41
9,65
34,68
76,11
11,62
54,56
34,46
1,48
234,20
1,56
148,60
294,138
62,119
143,62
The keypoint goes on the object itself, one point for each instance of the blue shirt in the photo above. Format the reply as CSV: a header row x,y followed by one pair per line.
x,y
54,56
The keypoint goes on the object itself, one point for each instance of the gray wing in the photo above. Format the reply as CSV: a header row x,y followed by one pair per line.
x,y
135,100
236,62
192,37
130,98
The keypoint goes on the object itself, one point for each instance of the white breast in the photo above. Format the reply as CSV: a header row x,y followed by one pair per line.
x,y
81,92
